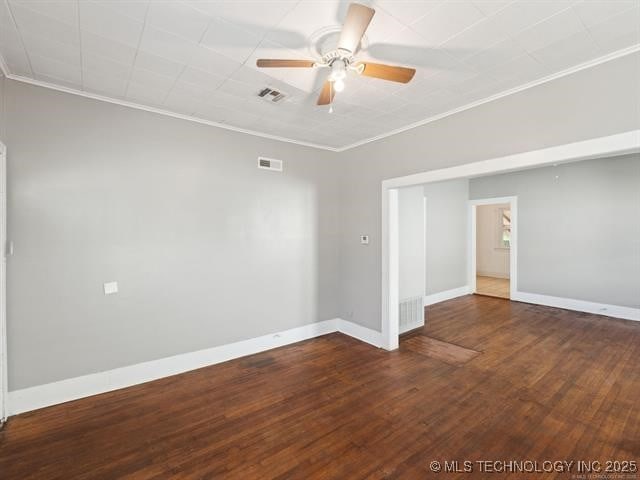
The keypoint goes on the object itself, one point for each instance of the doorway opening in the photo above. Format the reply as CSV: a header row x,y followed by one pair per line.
x,y
587,149
493,246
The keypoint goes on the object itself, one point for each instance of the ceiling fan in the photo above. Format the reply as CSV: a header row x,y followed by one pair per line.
x,y
341,60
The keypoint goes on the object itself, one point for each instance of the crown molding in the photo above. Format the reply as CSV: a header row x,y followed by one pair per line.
x,y
4,68
582,66
160,111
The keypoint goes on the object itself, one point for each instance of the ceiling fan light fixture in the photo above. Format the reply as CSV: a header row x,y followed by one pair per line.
x,y
338,85
338,71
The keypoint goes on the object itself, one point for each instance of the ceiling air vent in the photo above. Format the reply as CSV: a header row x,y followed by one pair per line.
x,y
272,96
270,164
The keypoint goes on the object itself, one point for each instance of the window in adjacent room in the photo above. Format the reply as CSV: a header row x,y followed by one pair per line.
x,y
504,228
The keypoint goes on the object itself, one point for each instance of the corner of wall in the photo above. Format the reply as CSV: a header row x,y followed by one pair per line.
x,y
3,109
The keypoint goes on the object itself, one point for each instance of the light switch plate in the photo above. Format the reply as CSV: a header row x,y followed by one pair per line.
x,y
110,287
364,239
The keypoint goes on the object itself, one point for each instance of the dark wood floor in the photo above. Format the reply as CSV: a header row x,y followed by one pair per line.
x,y
549,385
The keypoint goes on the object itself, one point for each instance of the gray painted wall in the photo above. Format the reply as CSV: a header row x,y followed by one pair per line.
x,y
578,228
447,234
599,101
442,265
206,248
411,242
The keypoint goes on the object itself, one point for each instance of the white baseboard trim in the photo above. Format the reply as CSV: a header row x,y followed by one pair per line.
x,y
482,273
615,311
364,334
40,396
446,295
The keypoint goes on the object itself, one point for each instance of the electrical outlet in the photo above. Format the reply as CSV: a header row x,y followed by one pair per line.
x,y
110,288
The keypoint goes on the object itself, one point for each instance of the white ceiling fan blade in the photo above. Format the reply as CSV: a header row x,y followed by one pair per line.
x,y
356,23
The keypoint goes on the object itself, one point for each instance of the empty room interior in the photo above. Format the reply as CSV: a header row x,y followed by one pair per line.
x,y
319,239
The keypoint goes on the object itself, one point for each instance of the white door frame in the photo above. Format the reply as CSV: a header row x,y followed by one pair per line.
x,y
619,144
513,247
3,284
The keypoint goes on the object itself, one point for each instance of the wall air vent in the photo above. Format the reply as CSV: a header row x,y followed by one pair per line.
x,y
270,164
272,96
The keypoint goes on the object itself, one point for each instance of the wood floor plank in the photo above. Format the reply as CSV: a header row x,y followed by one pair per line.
x,y
444,351
550,384
492,286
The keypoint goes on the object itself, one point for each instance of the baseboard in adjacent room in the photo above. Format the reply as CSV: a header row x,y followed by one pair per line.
x,y
41,396
616,311
481,273
446,295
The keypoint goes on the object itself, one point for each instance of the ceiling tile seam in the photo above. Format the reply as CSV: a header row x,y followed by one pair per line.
x,y
423,16
395,17
262,39
574,69
135,56
506,93
589,29
175,82
200,44
512,37
528,54
15,25
529,27
212,93
231,22
481,51
484,18
240,65
589,33
269,30
486,49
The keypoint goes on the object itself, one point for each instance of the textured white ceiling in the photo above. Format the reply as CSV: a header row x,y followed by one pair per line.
x,y
197,57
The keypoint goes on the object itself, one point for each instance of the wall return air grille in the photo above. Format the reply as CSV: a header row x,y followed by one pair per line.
x,y
411,314
270,164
